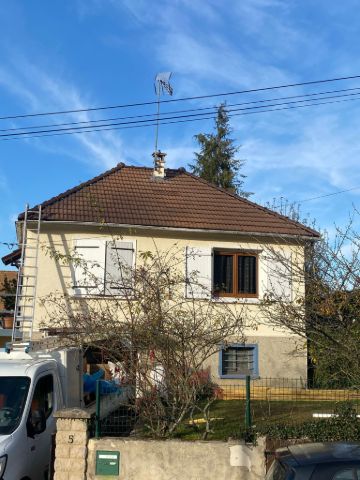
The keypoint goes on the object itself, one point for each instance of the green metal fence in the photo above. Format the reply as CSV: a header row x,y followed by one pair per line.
x,y
291,389
115,415
282,400
249,402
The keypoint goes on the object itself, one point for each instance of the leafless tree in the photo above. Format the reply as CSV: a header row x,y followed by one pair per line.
x,y
325,305
160,338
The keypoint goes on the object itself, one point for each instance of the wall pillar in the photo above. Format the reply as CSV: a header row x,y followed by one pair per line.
x,y
71,444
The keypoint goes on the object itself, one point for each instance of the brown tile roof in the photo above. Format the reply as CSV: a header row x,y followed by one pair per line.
x,y
9,274
130,195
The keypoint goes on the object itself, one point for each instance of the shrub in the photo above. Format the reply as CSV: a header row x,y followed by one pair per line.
x,y
343,426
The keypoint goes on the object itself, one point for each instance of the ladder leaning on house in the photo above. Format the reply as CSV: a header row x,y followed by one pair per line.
x,y
27,278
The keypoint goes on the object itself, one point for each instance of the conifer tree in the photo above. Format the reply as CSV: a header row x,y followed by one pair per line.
x,y
216,160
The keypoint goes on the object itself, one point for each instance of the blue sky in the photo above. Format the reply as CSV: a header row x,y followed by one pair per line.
x,y
67,54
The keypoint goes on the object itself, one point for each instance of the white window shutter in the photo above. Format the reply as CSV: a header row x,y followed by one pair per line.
x,y
89,270
279,276
199,266
120,257
263,260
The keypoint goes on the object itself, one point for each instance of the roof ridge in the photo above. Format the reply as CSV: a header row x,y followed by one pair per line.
x,y
256,205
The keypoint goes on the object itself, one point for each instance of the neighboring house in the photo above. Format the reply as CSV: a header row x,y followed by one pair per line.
x,y
224,238
7,300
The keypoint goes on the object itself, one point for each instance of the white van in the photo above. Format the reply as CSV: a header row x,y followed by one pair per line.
x,y
32,387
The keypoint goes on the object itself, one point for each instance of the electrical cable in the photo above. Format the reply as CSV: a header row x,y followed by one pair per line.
x,y
172,100
327,195
213,109
125,125
169,118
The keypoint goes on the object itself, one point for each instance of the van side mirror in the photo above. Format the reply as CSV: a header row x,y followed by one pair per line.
x,y
36,423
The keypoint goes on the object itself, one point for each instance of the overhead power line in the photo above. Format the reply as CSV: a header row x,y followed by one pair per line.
x,y
328,195
164,121
173,100
299,202
153,116
129,122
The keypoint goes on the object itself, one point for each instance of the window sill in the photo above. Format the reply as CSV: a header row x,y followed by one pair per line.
x,y
100,293
97,296
248,300
255,376
235,300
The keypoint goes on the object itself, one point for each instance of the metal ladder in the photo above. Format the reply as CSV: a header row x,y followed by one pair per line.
x,y
27,280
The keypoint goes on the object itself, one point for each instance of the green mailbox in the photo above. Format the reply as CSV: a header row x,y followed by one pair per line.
x,y
107,462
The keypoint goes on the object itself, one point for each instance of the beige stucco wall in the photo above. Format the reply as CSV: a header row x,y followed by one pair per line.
x,y
176,460
277,355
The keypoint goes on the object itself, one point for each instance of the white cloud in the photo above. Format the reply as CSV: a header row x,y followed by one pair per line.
x,y
324,145
179,156
211,47
13,218
213,64
42,92
18,88
4,184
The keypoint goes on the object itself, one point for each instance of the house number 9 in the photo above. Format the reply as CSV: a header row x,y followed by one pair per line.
x,y
71,439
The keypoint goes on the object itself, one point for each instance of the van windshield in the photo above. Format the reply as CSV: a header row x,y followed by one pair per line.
x,y
13,393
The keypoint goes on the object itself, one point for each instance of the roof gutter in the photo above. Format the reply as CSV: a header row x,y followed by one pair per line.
x,y
178,229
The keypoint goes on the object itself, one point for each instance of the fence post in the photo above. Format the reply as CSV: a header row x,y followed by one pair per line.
x,y
247,404
97,411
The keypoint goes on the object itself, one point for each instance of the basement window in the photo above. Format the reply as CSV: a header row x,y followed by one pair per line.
x,y
238,361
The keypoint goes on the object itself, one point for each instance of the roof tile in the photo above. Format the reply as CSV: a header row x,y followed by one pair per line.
x,y
130,195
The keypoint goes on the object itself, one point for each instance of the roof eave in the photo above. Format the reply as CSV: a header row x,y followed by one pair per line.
x,y
183,229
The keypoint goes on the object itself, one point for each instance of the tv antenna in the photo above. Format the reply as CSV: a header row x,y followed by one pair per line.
x,y
162,86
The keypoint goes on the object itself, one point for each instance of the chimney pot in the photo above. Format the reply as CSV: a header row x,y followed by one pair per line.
x,y
159,164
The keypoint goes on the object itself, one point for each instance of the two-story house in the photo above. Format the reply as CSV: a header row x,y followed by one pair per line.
x,y
223,238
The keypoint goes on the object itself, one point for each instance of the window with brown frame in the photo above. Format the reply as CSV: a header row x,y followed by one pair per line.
x,y
235,274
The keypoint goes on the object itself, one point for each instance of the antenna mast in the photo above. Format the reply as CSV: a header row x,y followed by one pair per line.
x,y
162,85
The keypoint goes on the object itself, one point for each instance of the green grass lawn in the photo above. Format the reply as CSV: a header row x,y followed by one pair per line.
x,y
229,418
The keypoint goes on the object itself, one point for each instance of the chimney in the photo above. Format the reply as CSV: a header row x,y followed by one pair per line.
x,y
159,164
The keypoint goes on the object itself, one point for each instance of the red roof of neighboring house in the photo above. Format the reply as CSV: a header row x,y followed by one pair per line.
x,y
9,274
127,195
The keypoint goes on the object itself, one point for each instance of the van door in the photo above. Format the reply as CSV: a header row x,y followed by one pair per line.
x,y
40,426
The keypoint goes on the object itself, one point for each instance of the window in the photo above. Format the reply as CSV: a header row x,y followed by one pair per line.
x,y
238,361
43,398
102,267
13,394
235,274
213,272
